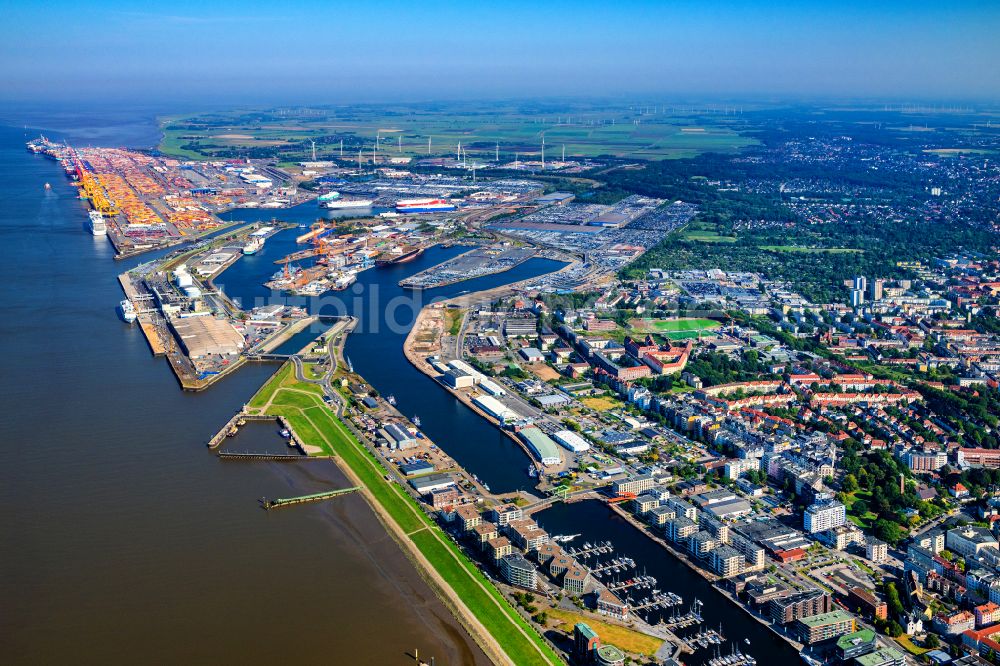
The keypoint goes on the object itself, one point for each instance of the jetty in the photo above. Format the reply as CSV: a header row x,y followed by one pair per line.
x,y
269,504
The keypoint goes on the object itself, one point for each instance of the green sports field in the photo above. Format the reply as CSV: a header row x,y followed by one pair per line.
x,y
675,329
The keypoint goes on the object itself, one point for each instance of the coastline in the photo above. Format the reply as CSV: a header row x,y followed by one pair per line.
x,y
391,501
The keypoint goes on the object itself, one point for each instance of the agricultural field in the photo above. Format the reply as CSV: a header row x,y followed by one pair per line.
x,y
584,131
675,329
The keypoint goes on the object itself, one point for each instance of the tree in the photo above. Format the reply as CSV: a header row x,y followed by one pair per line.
x,y
850,484
892,599
888,531
893,629
932,641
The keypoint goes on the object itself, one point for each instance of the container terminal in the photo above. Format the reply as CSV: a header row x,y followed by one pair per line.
x,y
145,202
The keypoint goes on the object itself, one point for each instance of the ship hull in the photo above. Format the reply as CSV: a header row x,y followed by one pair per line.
x,y
345,205
401,259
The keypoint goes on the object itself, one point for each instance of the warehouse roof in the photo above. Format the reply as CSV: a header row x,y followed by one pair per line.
x,y
542,445
206,335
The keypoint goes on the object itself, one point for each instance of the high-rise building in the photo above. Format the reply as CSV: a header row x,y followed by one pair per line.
x,y
877,289
822,516
585,641
857,298
860,282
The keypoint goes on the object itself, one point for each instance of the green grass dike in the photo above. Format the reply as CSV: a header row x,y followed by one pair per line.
x,y
302,404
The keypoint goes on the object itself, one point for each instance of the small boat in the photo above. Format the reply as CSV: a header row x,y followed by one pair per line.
x,y
48,186
391,400
285,432
416,421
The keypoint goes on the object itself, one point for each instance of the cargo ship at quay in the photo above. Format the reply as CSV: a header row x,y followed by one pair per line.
x,y
398,255
424,206
333,201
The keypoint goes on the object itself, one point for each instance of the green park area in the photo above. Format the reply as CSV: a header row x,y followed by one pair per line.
x,y
858,511
302,404
809,250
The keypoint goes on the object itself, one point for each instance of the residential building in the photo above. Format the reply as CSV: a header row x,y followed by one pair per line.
x,y
575,581
610,605
987,614
824,626
633,486
506,513
824,515
798,605
875,550
468,517
499,548
518,571
867,603
727,561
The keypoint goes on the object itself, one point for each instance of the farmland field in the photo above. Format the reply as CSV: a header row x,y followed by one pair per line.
x,y
404,131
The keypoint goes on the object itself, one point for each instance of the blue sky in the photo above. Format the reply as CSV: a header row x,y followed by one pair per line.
x,y
329,52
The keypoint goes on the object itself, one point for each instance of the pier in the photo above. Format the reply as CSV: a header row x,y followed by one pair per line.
x,y
641,582
591,549
616,565
304,499
689,619
279,457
